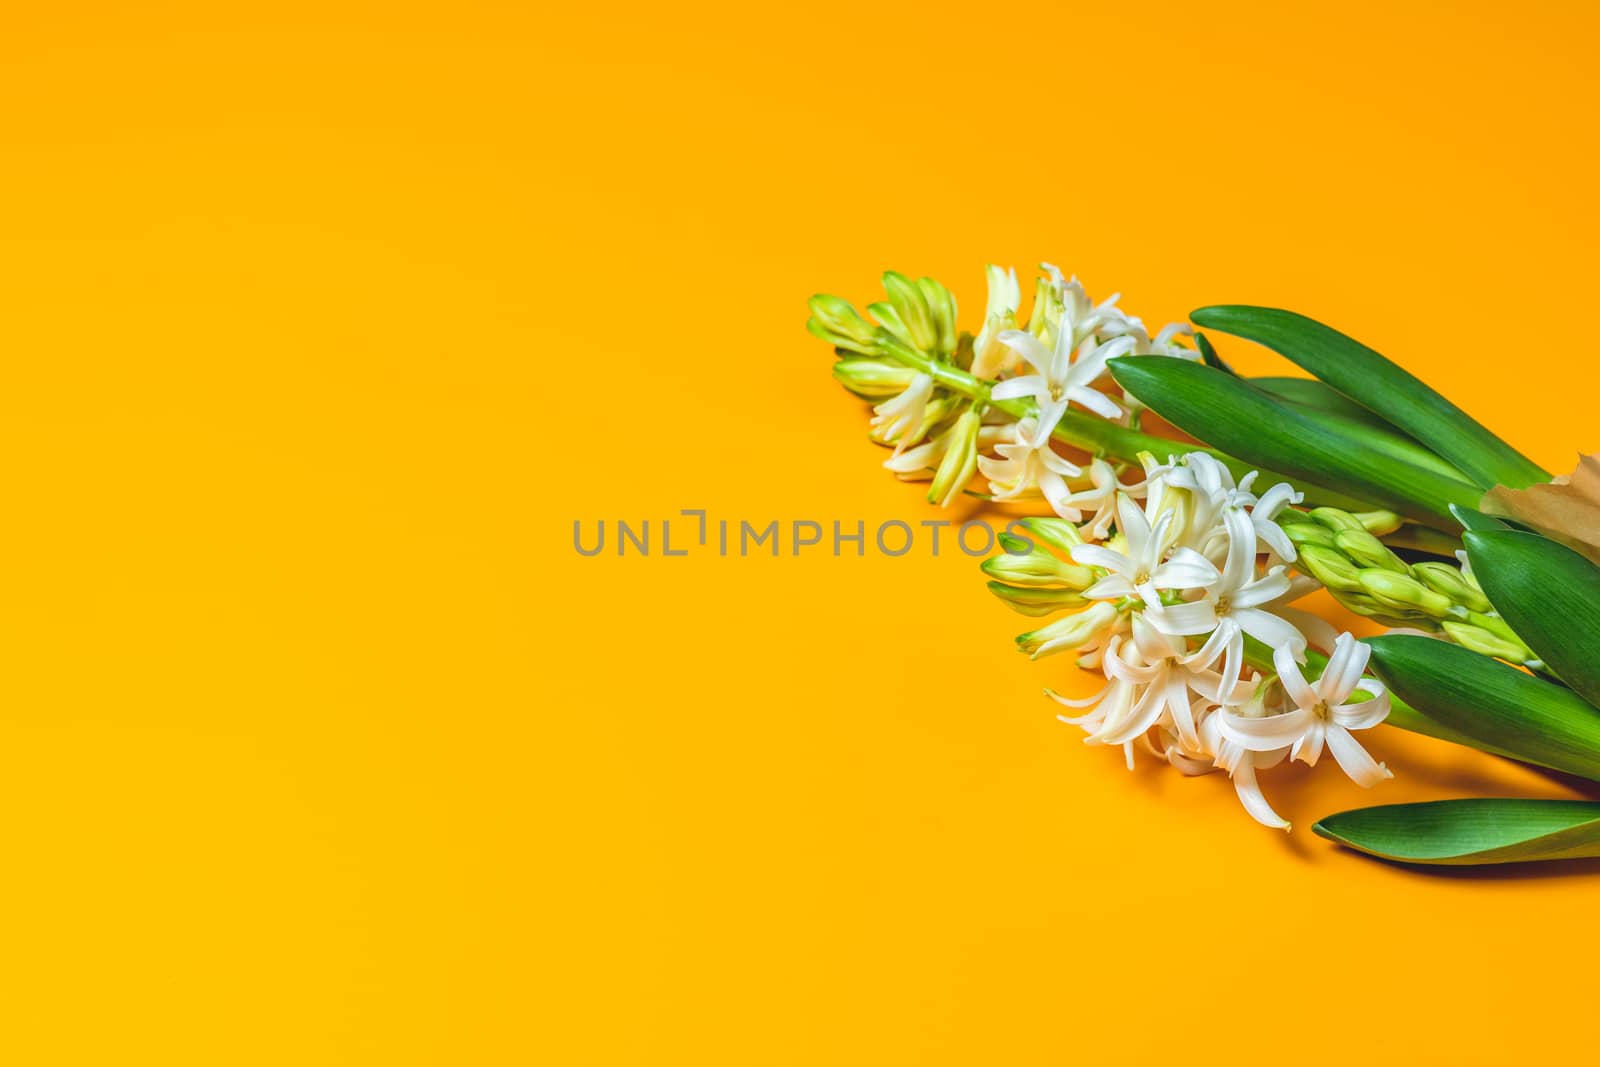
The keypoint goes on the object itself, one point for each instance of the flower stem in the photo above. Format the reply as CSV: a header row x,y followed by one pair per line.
x,y
1098,436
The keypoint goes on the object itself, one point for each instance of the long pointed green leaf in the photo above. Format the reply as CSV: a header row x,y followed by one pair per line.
x,y
1510,712
1383,386
1468,832
1240,419
1549,594
1387,441
1310,393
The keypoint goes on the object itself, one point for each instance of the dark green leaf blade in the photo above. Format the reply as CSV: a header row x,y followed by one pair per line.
x,y
1243,421
1504,709
1380,385
1549,594
1310,393
1473,519
1468,832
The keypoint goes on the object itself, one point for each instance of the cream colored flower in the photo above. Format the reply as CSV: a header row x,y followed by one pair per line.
x,y
896,420
1320,713
1027,463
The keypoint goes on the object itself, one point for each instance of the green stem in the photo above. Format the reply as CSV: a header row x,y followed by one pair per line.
x,y
1101,437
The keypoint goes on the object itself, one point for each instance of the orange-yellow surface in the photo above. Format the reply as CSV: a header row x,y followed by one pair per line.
x,y
319,744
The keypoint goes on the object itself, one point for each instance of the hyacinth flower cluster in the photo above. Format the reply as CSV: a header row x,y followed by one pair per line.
x,y
1187,607
1162,564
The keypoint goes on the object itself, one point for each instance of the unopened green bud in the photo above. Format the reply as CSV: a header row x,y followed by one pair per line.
x,y
871,380
1072,632
1501,629
1035,601
1330,568
1404,593
942,304
1379,523
1482,641
1373,608
1057,533
1448,581
1335,519
960,459
1368,551
1309,533
912,308
838,323
1030,565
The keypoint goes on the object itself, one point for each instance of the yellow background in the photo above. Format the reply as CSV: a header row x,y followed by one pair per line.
x,y
319,744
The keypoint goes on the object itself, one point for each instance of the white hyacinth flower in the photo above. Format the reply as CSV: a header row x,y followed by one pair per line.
x,y
1140,570
1101,498
1320,713
1060,379
1028,463
896,419
1234,606
1166,680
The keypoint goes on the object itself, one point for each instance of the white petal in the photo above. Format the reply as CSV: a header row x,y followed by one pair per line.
x,y
1183,620
1344,669
1028,347
1086,702
1309,748
1354,760
1030,385
1267,628
1095,401
1186,569
1099,556
1109,587
1266,734
1244,783
1364,714
1318,631
1263,590
1134,526
1294,682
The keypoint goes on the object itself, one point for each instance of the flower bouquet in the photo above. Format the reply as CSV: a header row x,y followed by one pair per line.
x,y
1175,568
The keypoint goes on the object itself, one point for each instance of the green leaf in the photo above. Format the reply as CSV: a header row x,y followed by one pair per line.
x,y
1240,419
1310,393
1473,519
1549,594
1469,832
1509,712
1382,386
1208,354
1388,441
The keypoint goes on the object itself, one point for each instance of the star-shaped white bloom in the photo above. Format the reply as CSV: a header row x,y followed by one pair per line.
x,y
1027,462
1061,376
1157,665
1233,606
1141,570
1320,713
1101,497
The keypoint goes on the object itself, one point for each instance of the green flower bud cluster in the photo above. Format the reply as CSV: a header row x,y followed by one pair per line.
x,y
919,315
1032,580
1341,551
879,360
